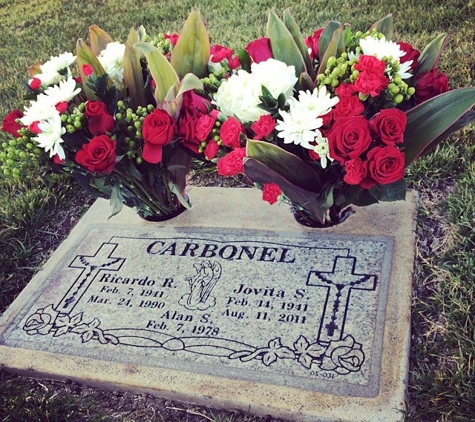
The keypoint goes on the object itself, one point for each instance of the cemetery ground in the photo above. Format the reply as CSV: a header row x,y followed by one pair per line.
x,y
35,218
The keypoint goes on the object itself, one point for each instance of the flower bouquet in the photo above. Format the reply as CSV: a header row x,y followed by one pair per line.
x,y
334,119
117,116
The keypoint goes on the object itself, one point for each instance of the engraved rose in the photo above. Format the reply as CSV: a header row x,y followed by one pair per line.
x,y
343,356
41,322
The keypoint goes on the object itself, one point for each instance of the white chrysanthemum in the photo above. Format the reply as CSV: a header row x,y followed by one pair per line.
x,y
323,150
111,59
239,96
276,76
380,47
319,102
298,128
404,69
65,91
50,137
56,69
39,110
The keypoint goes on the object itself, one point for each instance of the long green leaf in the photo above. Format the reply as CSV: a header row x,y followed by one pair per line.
x,y
86,56
283,45
192,50
98,39
291,167
259,172
133,77
430,56
331,43
427,122
293,28
160,68
385,26
174,97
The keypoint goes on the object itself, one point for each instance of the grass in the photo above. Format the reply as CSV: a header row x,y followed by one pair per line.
x,y
34,218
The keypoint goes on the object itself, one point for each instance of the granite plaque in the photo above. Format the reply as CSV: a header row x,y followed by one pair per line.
x,y
275,319
301,311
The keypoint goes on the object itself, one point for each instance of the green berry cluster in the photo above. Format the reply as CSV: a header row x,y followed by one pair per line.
x,y
163,44
213,81
132,121
18,154
74,121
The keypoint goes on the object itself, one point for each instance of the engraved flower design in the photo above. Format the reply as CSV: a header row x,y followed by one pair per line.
x,y
41,322
307,351
64,323
275,351
343,356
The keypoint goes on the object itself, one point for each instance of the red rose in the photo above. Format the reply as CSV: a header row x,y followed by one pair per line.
x,y
348,106
98,156
158,129
429,84
263,127
271,193
389,125
355,171
219,53
99,121
232,164
204,125
313,42
211,150
10,125
186,130
195,103
349,138
411,54
259,50
230,133
385,165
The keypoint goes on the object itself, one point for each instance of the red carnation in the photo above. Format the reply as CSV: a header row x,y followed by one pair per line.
x,y
211,150
263,127
355,171
219,53
232,164
230,133
271,193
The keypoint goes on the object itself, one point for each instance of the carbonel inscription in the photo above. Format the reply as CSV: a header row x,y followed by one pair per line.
x,y
299,311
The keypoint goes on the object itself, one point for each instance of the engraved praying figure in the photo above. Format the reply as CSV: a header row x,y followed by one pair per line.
x,y
201,285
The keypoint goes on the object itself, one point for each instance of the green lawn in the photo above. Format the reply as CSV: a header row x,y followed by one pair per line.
x,y
34,217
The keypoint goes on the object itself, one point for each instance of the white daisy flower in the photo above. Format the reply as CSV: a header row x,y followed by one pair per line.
x,y
65,91
298,128
380,47
323,151
39,110
50,137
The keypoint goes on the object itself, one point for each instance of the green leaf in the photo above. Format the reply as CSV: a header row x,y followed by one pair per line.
x,y
288,165
98,39
299,41
358,196
430,122
283,45
174,97
160,68
391,192
192,50
332,43
86,56
174,189
258,172
116,200
430,56
385,26
133,77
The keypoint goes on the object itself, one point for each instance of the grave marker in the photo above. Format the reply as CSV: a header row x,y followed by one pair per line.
x,y
223,312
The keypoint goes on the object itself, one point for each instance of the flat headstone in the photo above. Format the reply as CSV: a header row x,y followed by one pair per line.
x,y
232,304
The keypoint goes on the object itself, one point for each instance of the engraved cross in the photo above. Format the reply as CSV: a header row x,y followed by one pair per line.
x,y
91,265
339,282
